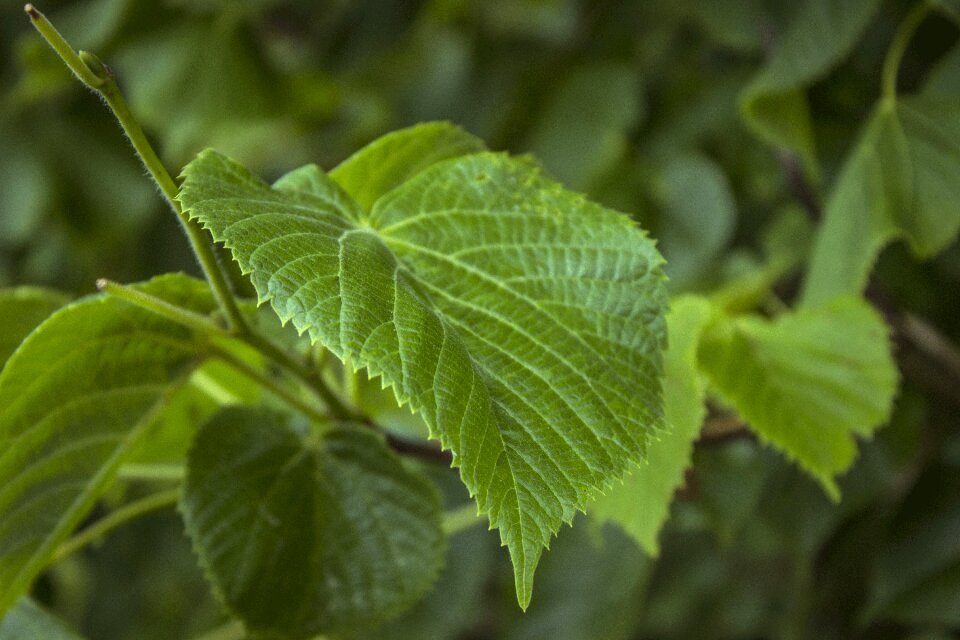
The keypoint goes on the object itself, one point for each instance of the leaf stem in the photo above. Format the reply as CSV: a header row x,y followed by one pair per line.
x,y
309,376
289,362
152,472
119,517
461,518
898,47
179,315
98,77
271,385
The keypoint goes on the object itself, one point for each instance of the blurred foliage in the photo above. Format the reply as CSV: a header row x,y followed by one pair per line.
x,y
650,107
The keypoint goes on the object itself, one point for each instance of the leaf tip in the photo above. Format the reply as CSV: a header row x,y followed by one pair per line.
x,y
31,11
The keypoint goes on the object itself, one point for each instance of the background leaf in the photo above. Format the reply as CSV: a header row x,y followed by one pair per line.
x,y
808,381
899,182
818,35
435,288
332,531
74,400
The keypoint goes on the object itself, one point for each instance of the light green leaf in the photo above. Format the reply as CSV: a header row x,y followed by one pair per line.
x,y
302,533
807,382
74,400
899,182
819,35
642,503
523,322
28,621
396,157
21,310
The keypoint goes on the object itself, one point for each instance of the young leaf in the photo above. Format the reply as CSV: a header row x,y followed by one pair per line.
x,y
26,620
900,181
642,503
807,382
305,534
389,161
74,399
820,34
524,322
21,310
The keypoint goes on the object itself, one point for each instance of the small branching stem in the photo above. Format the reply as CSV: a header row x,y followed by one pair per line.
x,y
99,78
121,516
179,315
284,393
898,47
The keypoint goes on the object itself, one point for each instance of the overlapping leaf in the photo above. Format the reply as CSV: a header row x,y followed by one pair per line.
x,y
524,322
303,534
819,35
74,399
641,504
807,382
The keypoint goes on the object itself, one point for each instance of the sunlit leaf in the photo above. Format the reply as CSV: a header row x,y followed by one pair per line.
x,y
522,321
807,382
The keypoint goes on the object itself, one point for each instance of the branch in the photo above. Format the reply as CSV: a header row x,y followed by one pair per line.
x,y
99,77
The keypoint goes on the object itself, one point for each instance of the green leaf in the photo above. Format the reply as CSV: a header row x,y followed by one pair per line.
x,y
642,503
74,399
807,382
21,310
396,157
819,35
28,621
301,533
523,322
899,182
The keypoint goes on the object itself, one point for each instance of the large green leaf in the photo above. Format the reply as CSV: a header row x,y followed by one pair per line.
x,y
28,621
523,322
819,35
807,382
21,310
74,399
303,533
899,182
642,503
